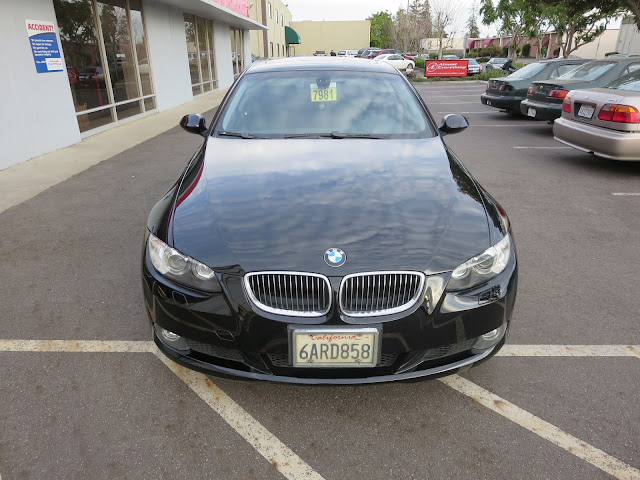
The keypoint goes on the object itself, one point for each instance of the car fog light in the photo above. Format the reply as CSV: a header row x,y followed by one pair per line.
x,y
490,339
170,336
171,339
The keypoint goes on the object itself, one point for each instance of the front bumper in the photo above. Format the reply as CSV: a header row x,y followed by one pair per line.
x,y
502,102
543,111
225,336
599,141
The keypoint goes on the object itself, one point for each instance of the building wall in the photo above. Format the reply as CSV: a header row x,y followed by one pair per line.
x,y
331,36
628,40
275,33
37,114
224,59
602,45
168,53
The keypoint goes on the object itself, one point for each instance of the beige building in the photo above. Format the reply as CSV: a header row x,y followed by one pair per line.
x,y
600,46
327,36
279,40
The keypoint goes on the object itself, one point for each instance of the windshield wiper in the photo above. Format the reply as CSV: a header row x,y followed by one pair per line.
x,y
244,135
357,135
335,134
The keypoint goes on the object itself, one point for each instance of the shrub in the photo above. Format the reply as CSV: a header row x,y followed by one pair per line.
x,y
419,62
482,59
505,51
491,51
556,52
433,56
526,48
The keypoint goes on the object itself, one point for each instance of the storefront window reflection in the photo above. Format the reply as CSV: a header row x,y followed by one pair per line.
x,y
200,50
107,77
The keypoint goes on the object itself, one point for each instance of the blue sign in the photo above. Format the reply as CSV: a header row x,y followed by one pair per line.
x,y
44,46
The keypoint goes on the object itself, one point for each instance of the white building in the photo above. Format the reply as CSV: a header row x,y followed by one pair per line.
x,y
73,68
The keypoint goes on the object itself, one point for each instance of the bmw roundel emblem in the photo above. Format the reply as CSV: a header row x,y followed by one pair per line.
x,y
335,257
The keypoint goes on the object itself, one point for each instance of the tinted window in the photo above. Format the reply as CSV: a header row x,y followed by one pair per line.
x,y
528,71
588,71
274,104
631,82
472,61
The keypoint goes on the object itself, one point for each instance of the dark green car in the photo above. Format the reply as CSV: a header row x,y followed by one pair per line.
x,y
506,93
544,98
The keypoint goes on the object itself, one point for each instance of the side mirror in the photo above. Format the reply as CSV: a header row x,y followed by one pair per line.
x,y
453,123
194,123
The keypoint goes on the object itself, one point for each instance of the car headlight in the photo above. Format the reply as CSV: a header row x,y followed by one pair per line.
x,y
179,267
482,267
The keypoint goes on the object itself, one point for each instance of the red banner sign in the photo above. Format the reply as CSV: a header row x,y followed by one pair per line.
x,y
445,68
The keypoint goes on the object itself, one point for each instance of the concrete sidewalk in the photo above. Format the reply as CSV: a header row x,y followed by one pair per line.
x,y
27,179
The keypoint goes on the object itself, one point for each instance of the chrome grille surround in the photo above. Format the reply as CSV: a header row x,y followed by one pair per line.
x,y
371,294
297,294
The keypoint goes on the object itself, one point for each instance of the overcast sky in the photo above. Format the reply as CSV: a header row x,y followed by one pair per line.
x,y
361,9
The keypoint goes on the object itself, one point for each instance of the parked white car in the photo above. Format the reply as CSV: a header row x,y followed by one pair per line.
x,y
397,61
347,53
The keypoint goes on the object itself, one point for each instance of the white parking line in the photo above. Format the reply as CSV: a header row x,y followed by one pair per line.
x,y
569,351
268,445
541,148
289,464
631,194
101,346
577,447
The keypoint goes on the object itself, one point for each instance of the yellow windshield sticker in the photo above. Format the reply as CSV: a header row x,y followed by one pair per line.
x,y
329,94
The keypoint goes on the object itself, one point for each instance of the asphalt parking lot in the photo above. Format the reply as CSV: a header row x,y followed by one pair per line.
x,y
85,394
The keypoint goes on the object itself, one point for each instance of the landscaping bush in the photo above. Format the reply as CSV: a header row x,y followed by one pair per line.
x,y
433,56
482,59
526,48
419,63
491,51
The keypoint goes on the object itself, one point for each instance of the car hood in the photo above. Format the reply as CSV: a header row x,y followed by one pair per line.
x,y
276,204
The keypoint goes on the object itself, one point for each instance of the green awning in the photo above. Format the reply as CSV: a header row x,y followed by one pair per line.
x,y
291,36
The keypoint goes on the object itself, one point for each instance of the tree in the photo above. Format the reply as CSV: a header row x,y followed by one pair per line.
x,y
381,29
608,8
576,28
412,25
472,23
444,15
515,16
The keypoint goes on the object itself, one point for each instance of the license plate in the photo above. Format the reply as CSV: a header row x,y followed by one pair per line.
x,y
329,94
336,347
586,111
531,112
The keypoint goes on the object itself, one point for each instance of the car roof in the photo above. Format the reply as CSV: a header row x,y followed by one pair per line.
x,y
557,60
320,63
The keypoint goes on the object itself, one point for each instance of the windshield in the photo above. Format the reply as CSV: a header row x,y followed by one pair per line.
x,y
588,71
325,103
528,71
472,61
498,60
630,81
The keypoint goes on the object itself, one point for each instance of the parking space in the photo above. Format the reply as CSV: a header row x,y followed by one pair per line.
x,y
96,406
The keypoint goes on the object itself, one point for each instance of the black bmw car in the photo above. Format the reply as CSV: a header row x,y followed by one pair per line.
x,y
325,233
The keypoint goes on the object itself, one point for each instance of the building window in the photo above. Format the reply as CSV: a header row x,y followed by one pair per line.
x,y
271,45
200,53
269,8
276,15
282,19
107,60
237,50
